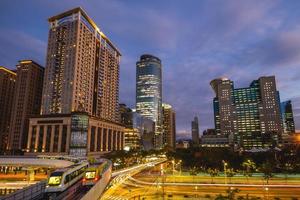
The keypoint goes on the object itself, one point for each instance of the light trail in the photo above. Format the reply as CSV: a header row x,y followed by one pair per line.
x,y
216,185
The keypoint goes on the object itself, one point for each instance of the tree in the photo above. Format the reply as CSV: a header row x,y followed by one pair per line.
x,y
230,173
267,169
231,193
249,167
213,173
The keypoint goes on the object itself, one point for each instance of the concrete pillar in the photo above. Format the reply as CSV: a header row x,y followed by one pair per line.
x,y
68,138
44,138
89,138
119,140
122,140
30,174
37,136
106,139
59,138
52,138
115,135
29,138
101,139
96,139
111,140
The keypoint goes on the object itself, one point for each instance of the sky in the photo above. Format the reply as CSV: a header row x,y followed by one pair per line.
x,y
197,41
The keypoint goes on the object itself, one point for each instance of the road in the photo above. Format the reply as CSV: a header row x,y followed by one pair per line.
x,y
129,191
120,177
150,185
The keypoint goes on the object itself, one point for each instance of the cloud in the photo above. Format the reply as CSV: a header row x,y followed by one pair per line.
x,y
18,45
197,41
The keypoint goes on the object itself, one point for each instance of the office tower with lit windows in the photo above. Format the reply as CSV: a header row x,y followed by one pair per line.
x,y
249,116
195,132
7,91
139,130
80,102
27,102
169,126
287,117
149,93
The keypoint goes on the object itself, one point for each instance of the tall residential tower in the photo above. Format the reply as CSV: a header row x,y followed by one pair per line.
x,y
27,102
82,72
7,92
80,103
149,93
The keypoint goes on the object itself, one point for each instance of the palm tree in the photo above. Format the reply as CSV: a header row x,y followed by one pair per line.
x,y
213,173
266,169
230,174
249,167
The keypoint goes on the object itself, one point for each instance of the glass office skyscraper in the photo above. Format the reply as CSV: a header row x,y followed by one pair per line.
x,y
287,117
251,115
149,93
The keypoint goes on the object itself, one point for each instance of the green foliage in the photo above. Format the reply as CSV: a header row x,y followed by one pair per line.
x,y
213,173
267,169
287,160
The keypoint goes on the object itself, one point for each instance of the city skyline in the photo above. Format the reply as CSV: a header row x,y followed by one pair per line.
x,y
267,44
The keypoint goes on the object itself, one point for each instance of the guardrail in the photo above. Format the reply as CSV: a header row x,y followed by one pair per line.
x,y
33,192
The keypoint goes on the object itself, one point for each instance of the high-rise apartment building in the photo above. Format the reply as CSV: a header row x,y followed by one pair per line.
x,y
7,91
287,117
169,126
195,131
82,72
249,115
149,93
80,103
27,102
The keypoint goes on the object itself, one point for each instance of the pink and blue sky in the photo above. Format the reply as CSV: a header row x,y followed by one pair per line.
x,y
197,40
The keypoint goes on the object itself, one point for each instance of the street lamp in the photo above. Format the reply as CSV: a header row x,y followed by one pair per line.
x,y
180,165
173,162
267,190
163,181
225,171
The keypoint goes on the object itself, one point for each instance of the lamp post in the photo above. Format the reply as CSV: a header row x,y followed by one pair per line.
x,y
173,162
180,166
163,183
225,171
267,190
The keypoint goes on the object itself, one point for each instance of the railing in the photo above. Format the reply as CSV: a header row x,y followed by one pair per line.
x,y
33,192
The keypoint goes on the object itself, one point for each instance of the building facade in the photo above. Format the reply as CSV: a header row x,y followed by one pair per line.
x,y
82,72
77,134
195,131
149,93
27,102
7,91
250,116
287,117
214,141
139,130
169,126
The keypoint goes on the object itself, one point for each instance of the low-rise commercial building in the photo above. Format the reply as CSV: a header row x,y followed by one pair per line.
x,y
77,134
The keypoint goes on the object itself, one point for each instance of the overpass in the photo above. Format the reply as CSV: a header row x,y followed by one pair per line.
x,y
31,164
34,162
